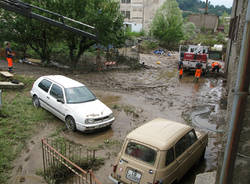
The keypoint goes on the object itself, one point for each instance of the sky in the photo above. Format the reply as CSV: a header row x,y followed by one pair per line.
x,y
226,3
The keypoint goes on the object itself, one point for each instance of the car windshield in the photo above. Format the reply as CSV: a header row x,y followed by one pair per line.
x,y
79,95
141,152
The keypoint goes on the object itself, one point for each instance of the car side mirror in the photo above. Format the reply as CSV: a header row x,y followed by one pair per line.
x,y
60,100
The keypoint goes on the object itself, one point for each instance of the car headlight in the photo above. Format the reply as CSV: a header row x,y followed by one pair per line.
x,y
111,116
89,121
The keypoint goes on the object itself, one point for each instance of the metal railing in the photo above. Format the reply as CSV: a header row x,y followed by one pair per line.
x,y
59,163
26,10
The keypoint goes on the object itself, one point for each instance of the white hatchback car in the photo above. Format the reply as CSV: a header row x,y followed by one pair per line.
x,y
72,102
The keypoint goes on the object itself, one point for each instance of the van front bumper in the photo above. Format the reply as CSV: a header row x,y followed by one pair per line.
x,y
114,180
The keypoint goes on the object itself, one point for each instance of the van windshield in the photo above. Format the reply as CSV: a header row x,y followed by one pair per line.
x,y
141,152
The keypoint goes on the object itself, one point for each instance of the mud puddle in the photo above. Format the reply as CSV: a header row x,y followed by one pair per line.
x,y
140,96
30,161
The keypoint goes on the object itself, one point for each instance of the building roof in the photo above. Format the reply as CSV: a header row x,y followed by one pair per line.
x,y
64,81
159,133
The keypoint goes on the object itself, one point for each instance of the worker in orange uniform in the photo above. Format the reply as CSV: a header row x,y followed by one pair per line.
x,y
198,71
216,67
9,57
180,68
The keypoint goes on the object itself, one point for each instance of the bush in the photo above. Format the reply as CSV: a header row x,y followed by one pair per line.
x,y
149,45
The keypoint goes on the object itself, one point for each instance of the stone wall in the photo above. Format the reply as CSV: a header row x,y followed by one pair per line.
x,y
207,21
242,164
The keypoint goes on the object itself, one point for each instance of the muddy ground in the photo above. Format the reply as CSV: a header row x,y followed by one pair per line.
x,y
135,97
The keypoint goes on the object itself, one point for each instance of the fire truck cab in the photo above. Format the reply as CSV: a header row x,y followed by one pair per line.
x,y
191,54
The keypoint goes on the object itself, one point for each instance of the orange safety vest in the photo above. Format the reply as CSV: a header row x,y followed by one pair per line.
x,y
181,71
215,64
198,73
10,62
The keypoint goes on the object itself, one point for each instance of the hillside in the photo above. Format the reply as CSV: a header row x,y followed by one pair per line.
x,y
196,6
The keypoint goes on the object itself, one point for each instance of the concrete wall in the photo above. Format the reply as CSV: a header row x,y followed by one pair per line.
x,y
242,164
150,8
141,13
207,21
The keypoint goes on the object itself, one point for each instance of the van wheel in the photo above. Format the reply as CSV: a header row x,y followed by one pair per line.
x,y
203,155
70,123
35,101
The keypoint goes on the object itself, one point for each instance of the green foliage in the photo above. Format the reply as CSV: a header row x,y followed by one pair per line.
x,y
103,14
224,22
221,38
149,45
209,39
189,30
43,39
130,34
196,5
167,24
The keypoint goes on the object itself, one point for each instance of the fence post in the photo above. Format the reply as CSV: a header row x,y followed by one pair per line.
x,y
43,157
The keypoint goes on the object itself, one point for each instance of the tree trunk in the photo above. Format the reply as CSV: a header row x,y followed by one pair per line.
x,y
84,44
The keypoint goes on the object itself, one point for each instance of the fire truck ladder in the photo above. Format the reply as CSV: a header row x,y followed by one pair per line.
x,y
25,9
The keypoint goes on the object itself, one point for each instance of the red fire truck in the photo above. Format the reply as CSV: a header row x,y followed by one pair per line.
x,y
191,54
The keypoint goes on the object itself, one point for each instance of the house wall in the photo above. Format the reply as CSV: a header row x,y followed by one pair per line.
x,y
141,13
241,173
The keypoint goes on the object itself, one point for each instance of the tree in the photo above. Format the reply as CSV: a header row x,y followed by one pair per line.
x,y
104,15
167,24
224,22
28,32
189,30
42,38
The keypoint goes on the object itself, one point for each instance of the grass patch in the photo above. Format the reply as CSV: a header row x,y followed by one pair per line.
x,y
18,118
27,81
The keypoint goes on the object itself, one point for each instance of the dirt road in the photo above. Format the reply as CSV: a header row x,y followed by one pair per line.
x,y
137,97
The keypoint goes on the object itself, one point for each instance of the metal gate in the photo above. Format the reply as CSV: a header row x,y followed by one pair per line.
x,y
59,163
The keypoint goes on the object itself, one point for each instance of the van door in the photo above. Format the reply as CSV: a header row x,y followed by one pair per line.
x,y
137,164
182,156
195,149
168,167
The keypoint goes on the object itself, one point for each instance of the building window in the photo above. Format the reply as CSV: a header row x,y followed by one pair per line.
x,y
126,14
126,1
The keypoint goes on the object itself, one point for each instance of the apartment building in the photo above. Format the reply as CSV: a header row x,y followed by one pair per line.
x,y
139,13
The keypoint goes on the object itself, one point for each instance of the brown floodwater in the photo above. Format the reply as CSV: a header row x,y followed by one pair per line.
x,y
142,95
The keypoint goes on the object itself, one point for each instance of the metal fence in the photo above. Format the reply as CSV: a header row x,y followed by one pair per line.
x,y
59,163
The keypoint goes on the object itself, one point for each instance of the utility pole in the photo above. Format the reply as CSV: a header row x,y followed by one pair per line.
x,y
206,9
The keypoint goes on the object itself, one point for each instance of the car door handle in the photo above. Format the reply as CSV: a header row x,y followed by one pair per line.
x,y
48,97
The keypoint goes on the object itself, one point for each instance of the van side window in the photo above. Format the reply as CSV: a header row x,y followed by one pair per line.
x,y
45,85
169,157
192,137
56,91
180,146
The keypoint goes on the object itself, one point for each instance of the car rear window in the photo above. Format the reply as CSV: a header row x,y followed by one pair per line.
x,y
45,85
141,152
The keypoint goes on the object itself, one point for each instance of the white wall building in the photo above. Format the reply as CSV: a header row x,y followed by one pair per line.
x,y
139,13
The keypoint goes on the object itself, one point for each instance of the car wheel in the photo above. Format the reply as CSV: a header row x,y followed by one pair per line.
x,y
70,123
35,101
